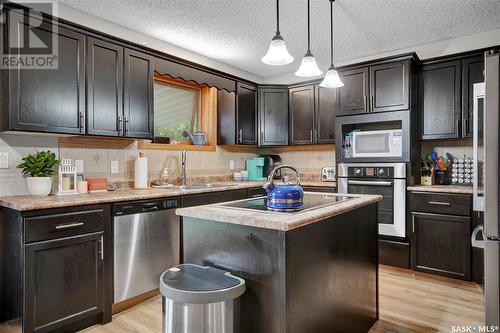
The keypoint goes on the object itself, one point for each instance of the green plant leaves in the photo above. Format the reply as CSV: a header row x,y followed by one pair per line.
x,y
42,164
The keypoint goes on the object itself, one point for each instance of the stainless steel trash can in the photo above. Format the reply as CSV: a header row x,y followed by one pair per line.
x,y
199,299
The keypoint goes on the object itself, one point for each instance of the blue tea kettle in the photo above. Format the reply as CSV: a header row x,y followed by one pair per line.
x,y
284,197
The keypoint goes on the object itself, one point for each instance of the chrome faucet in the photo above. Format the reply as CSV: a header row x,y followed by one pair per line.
x,y
183,177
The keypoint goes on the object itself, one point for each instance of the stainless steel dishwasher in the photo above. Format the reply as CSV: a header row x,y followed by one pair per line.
x,y
146,243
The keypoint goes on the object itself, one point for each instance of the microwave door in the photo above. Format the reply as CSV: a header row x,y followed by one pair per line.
x,y
478,147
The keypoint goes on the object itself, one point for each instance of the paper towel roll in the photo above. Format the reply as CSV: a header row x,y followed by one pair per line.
x,y
141,172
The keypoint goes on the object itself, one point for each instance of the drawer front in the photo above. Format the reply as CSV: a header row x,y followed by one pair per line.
x,y
441,203
64,224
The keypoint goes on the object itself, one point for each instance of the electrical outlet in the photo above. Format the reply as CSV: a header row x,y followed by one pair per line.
x,y
4,160
114,167
79,166
231,164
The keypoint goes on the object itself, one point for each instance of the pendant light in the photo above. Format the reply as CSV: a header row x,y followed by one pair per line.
x,y
308,67
277,54
332,79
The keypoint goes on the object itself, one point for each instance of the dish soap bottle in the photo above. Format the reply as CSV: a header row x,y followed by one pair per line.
x,y
164,177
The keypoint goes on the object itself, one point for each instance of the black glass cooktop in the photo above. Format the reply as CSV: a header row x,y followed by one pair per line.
x,y
311,201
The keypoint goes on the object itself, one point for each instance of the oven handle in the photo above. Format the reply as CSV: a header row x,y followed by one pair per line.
x,y
368,182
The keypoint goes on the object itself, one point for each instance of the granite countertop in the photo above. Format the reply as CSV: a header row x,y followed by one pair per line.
x,y
27,202
442,188
276,220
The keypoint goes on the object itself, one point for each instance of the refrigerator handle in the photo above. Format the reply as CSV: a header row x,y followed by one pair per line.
x,y
473,238
477,201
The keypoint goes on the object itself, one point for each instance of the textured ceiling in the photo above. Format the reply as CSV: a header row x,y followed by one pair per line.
x,y
238,32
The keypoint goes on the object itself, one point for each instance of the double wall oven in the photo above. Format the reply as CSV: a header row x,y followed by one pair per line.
x,y
386,179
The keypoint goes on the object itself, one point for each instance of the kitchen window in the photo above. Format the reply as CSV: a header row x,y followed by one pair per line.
x,y
180,107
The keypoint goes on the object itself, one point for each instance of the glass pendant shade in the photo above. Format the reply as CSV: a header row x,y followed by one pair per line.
x,y
308,67
277,54
332,79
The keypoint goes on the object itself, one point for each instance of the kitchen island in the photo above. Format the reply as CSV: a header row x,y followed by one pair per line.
x,y
313,270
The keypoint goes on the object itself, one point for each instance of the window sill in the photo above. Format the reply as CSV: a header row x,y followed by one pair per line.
x,y
143,144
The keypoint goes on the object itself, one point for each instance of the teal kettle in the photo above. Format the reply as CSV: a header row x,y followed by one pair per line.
x,y
284,197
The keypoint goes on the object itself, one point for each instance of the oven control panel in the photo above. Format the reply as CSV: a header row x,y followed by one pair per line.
x,y
371,172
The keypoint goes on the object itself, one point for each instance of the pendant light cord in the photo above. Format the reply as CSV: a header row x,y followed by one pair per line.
x,y
331,35
277,17
308,26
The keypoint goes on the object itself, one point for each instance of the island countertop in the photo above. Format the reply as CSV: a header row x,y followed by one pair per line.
x,y
276,220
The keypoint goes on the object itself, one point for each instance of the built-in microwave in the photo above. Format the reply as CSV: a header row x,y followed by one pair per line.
x,y
382,143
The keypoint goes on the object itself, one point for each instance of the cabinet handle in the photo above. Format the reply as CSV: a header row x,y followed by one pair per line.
x,y
413,223
311,136
372,104
120,124
81,120
69,225
240,135
316,136
365,100
101,247
126,125
262,137
439,203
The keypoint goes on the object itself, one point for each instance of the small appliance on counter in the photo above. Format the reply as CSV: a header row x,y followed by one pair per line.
x,y
328,174
284,197
66,177
271,162
255,168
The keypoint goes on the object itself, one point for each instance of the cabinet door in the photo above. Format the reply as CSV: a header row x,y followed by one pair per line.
x,y
301,115
325,114
246,119
273,115
440,100
441,244
226,118
63,281
390,87
104,88
50,100
138,95
472,72
353,96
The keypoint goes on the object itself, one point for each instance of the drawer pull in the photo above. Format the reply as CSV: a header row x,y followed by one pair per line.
x,y
69,225
439,203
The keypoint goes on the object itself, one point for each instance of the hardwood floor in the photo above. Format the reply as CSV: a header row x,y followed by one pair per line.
x,y
409,302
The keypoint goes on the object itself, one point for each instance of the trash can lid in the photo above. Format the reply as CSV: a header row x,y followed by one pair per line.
x,y
189,283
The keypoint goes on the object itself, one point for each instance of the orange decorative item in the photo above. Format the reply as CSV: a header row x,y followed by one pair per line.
x,y
97,184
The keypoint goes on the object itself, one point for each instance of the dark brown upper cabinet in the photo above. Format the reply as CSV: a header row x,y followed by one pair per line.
x,y
49,100
119,91
246,114
472,72
104,88
226,117
273,116
440,100
353,96
312,115
301,127
138,94
325,114
390,86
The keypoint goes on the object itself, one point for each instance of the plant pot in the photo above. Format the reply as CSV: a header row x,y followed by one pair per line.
x,y
39,186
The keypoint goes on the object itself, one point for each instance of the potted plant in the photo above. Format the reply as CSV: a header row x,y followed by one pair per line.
x,y
39,170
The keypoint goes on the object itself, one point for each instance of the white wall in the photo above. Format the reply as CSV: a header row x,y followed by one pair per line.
x,y
18,146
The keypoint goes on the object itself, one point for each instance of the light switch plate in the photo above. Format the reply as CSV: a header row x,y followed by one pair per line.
x,y
79,166
114,167
231,164
4,160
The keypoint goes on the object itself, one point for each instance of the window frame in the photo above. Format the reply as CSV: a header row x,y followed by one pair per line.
x,y
207,113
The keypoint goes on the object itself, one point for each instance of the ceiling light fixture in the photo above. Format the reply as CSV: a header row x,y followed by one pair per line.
x,y
332,79
277,54
308,67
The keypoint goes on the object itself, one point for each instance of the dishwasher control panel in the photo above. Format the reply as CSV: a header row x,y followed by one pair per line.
x,y
136,207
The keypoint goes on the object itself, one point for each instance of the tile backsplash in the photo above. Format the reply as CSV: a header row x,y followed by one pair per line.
x,y
97,154
457,148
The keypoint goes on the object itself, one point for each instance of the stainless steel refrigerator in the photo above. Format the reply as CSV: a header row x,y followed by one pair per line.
x,y
486,180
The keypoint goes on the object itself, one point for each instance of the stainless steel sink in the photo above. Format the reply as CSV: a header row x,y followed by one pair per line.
x,y
204,185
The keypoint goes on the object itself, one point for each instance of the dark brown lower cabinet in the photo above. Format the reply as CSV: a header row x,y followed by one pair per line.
x,y
63,281
441,244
